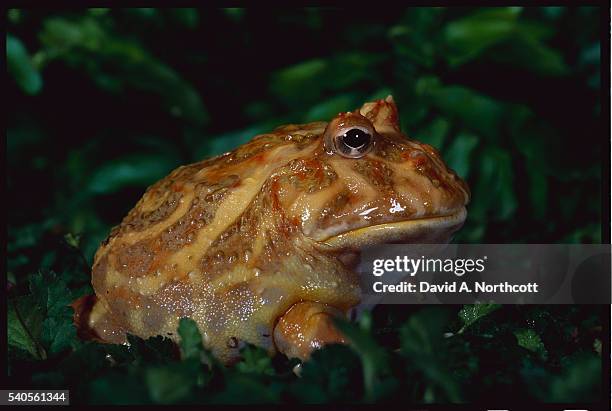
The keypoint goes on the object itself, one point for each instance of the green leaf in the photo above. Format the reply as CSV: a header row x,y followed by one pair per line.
x,y
331,374
14,15
247,389
24,321
466,38
422,341
119,388
530,340
494,194
138,170
59,333
434,133
458,154
331,107
223,143
416,38
114,62
19,64
188,17
191,339
302,79
52,294
471,313
580,381
304,84
234,13
374,359
170,383
538,193
72,239
477,112
255,360
530,53
153,350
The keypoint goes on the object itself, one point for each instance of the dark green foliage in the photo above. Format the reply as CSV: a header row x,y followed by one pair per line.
x,y
106,101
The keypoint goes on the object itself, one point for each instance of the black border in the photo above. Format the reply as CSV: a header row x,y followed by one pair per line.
x,y
606,199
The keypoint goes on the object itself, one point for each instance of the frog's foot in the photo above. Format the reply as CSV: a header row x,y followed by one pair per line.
x,y
307,326
82,311
94,323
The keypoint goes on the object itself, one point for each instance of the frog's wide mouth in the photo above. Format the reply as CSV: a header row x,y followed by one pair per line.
x,y
427,230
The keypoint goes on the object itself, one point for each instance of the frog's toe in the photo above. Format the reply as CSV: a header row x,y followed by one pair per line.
x,y
307,326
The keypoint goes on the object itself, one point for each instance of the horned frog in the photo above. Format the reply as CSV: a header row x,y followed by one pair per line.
x,y
251,244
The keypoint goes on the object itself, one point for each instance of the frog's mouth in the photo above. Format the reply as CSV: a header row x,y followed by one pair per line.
x,y
428,230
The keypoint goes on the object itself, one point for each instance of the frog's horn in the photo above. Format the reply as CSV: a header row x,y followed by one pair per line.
x,y
382,114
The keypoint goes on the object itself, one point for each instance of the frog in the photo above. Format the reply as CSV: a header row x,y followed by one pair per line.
x,y
255,245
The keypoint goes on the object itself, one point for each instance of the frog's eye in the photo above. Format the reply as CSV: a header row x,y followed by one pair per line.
x,y
353,142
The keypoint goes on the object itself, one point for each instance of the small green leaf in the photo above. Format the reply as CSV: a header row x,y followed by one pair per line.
x,y
191,339
470,313
255,360
19,64
530,340
72,239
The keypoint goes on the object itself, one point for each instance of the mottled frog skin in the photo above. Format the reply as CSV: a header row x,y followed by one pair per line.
x,y
251,244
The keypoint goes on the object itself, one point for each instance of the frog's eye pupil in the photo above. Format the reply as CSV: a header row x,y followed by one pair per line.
x,y
351,142
356,138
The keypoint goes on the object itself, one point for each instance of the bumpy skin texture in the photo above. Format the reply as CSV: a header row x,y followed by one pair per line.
x,y
235,241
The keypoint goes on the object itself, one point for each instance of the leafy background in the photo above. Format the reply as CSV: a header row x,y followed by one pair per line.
x,y
106,101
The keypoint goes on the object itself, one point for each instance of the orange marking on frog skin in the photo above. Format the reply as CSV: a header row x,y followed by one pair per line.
x,y
420,161
353,199
259,158
295,221
319,173
377,172
406,155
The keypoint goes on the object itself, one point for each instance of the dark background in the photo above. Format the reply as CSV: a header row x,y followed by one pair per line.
x,y
104,102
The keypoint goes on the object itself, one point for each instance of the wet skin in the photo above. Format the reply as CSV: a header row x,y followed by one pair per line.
x,y
253,244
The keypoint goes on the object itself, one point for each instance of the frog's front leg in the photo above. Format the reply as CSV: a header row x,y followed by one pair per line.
x,y
306,326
